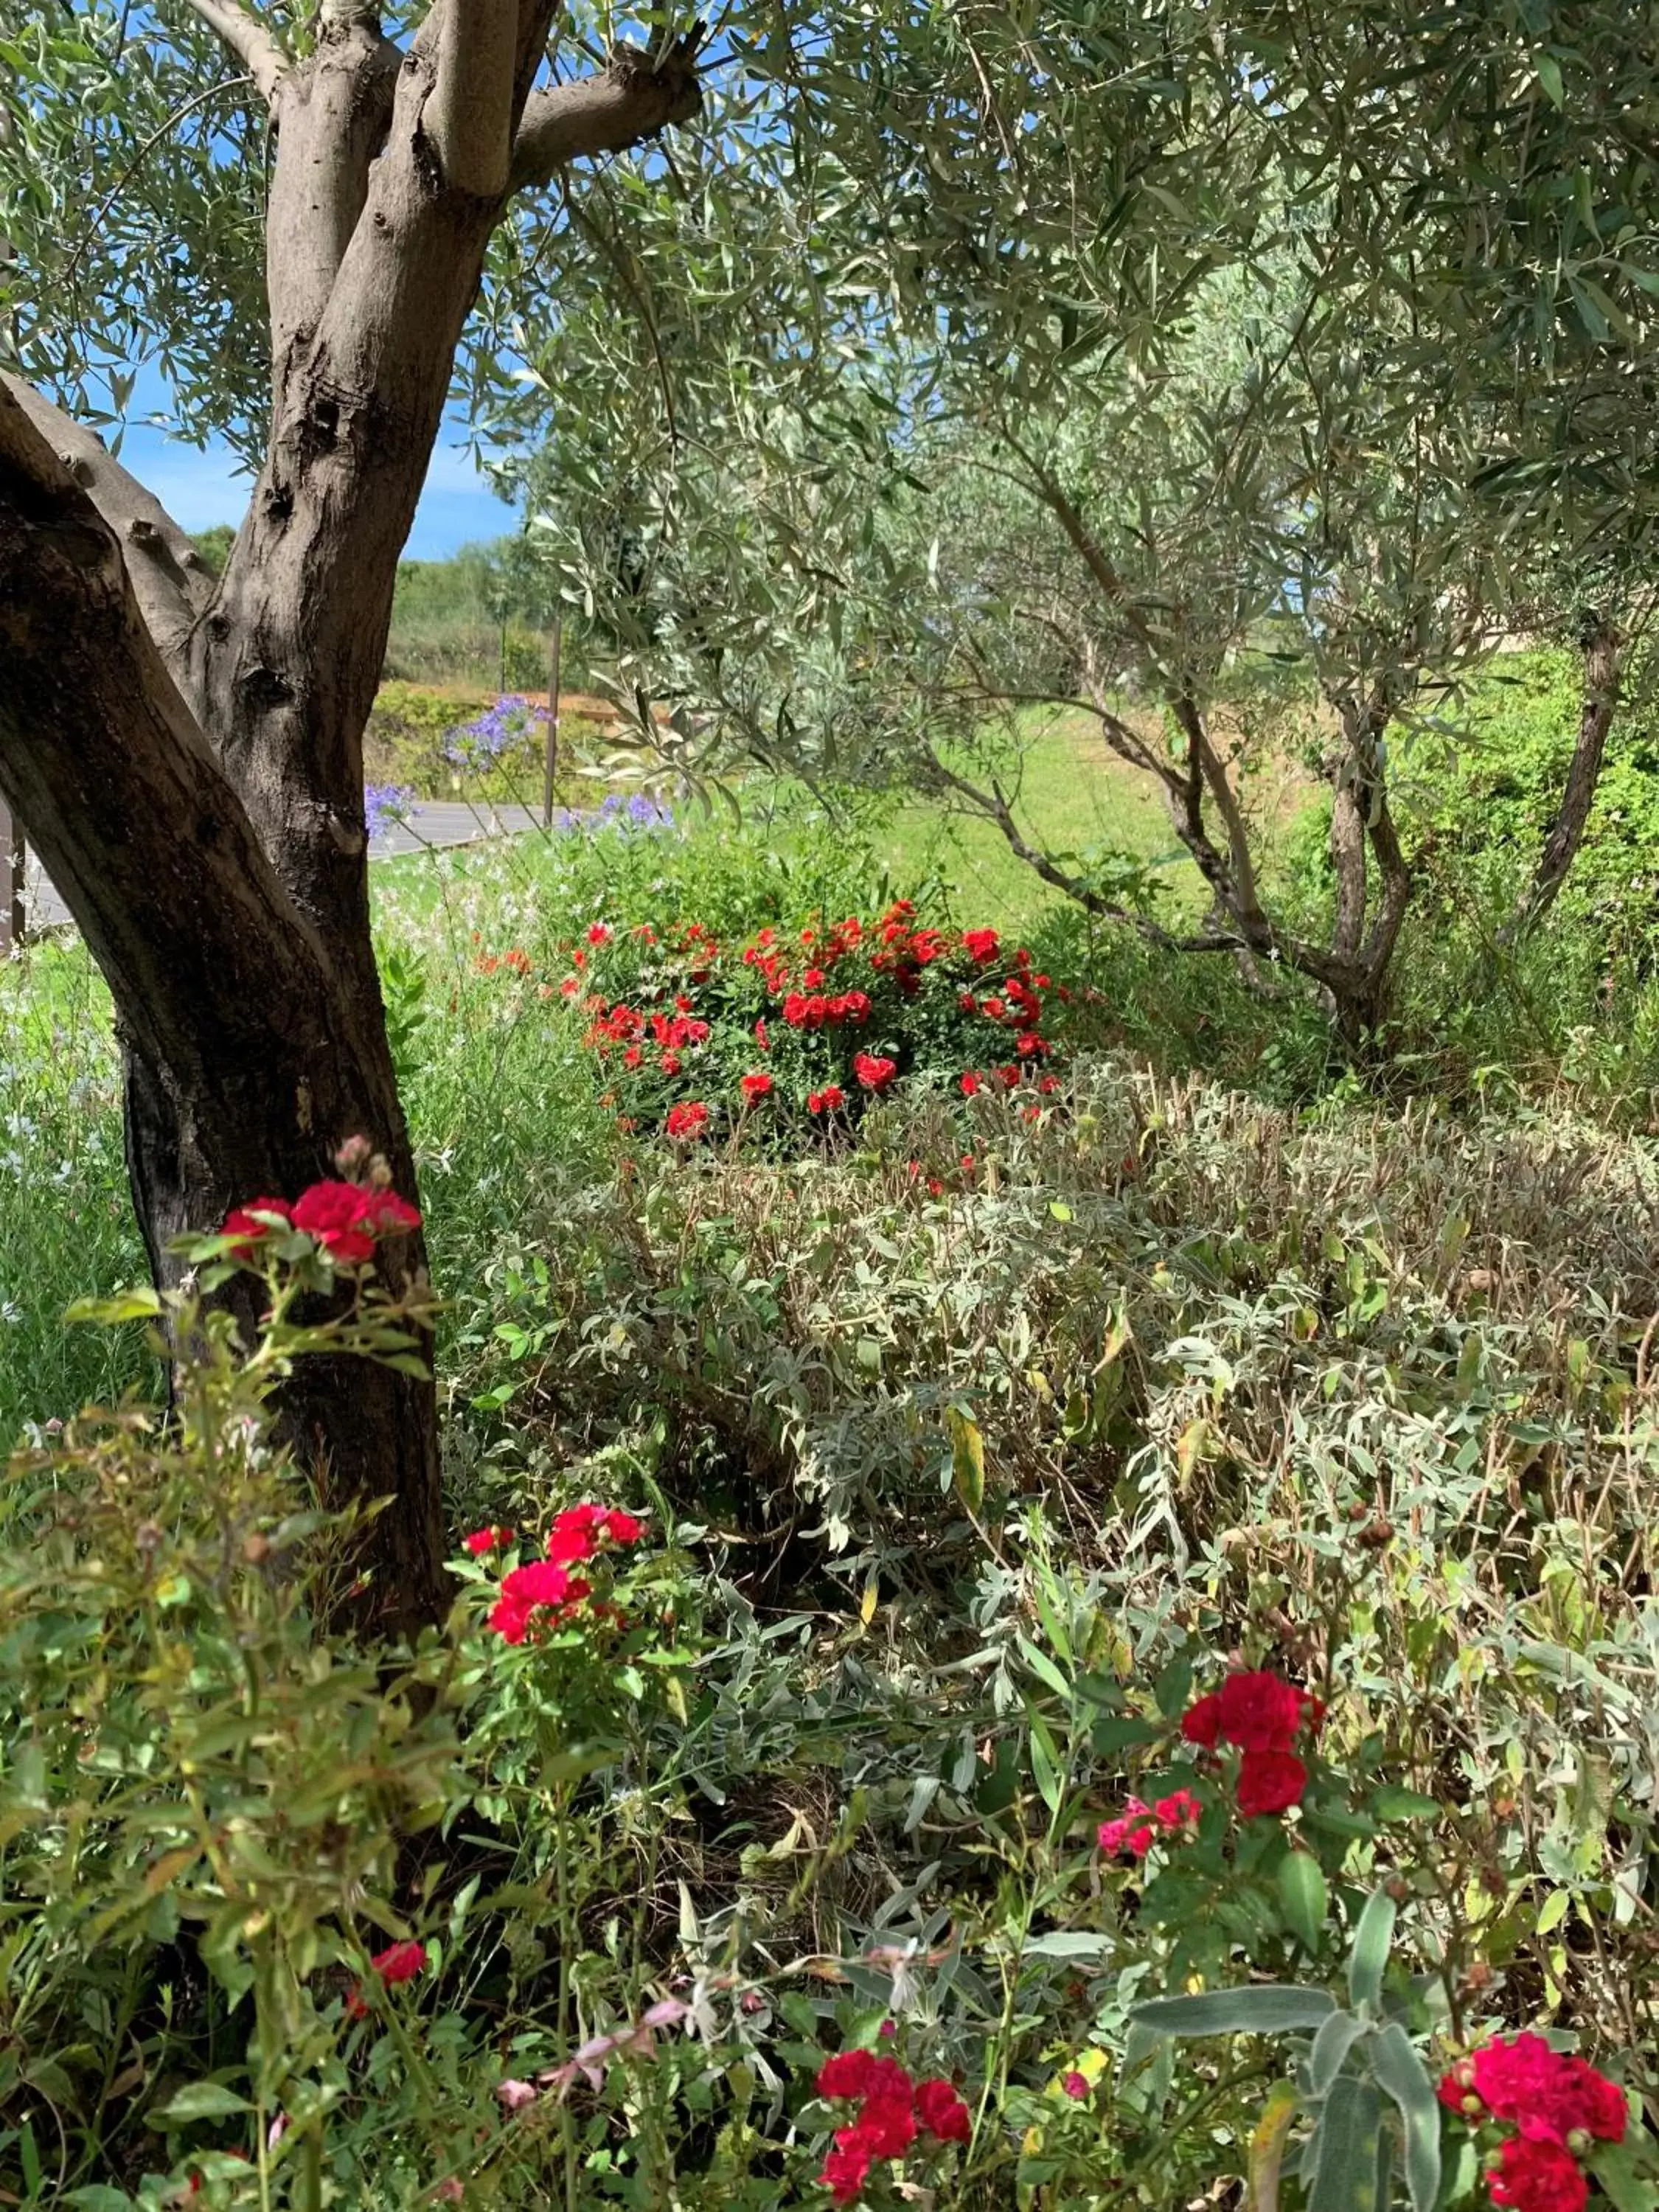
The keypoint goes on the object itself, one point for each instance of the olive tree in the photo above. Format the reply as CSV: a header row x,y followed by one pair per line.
x,y
1327,332
300,204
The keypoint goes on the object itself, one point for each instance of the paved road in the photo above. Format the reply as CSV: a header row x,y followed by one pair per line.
x,y
430,824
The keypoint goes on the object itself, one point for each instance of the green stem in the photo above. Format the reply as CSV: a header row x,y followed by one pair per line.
x,y
567,1937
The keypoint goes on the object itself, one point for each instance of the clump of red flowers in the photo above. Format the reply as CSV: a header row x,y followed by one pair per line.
x,y
487,1540
1263,1715
346,1220
544,1596
844,1012
1560,2107
891,2110
1139,1824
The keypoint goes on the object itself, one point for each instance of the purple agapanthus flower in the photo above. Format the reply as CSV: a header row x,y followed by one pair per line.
x,y
479,744
615,813
383,803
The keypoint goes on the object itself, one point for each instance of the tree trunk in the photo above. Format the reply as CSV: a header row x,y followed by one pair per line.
x,y
186,755
253,1050
1602,676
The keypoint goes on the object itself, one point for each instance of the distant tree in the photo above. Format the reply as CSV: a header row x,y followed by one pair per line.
x,y
214,545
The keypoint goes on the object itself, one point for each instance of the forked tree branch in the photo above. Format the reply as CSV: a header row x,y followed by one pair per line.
x,y
993,805
636,94
247,38
171,582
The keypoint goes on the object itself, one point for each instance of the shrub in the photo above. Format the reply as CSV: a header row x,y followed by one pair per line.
x,y
699,1038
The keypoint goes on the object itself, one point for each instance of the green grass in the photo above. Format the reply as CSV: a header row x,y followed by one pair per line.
x,y
1072,797
66,1225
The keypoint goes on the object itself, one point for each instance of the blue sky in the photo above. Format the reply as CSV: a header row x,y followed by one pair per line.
x,y
198,490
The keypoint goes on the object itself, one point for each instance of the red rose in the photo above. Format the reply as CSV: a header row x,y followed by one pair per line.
x,y
1457,2093
849,2074
1548,2094
1260,1712
980,945
623,1527
1537,2177
1201,1723
874,1072
754,1086
887,2124
387,1215
542,1586
942,2112
971,1084
847,2166
1270,1782
399,1962
688,1120
487,1540
336,1215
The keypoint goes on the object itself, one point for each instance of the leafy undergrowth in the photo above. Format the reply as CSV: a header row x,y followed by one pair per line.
x,y
1016,1626
1119,1616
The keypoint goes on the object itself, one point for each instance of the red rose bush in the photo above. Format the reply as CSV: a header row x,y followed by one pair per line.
x,y
696,1038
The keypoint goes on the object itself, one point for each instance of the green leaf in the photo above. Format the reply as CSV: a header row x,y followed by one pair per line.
x,y
1391,1803
1267,2147
967,1460
1303,1897
1371,1948
1626,2174
200,2100
138,1305
1068,1943
1401,2073
1344,2158
1045,1669
1269,2009
1045,1762
1330,2047
1547,70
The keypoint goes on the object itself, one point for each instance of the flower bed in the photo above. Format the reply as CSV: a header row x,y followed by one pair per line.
x,y
699,1039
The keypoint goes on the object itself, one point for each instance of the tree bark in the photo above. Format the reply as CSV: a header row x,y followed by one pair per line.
x,y
1604,675
187,758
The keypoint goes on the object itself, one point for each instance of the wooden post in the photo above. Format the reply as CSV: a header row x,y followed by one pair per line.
x,y
555,654
11,881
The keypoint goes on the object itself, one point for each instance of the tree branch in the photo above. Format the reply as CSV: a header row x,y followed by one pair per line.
x,y
171,582
995,808
119,790
248,39
469,112
637,95
1598,702
333,119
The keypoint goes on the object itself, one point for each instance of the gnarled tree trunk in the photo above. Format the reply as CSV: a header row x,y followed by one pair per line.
x,y
187,758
